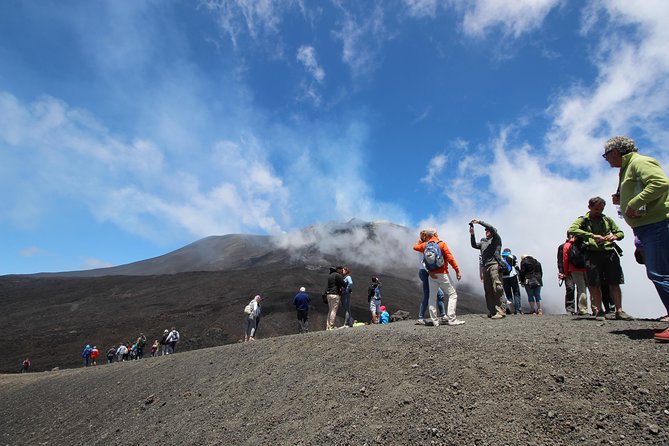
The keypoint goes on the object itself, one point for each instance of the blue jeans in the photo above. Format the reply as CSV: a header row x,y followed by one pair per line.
x,y
424,277
533,293
655,239
346,304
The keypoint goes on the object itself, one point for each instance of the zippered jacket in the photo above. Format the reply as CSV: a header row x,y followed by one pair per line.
x,y
643,182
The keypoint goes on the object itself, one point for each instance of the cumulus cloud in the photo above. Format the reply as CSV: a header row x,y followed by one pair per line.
x,y
434,168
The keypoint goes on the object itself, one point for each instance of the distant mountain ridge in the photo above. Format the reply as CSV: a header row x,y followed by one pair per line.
x,y
333,242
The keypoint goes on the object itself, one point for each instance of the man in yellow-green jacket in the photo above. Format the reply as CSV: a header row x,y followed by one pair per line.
x,y
643,195
599,233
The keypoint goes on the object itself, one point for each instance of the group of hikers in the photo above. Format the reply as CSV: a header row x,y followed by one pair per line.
x,y
130,350
589,260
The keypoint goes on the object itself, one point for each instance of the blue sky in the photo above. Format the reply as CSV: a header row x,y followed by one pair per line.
x,y
129,129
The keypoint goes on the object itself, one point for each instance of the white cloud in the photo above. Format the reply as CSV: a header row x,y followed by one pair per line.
x,y
434,168
422,8
362,37
307,55
514,18
631,92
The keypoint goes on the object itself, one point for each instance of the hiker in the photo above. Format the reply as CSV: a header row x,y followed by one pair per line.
x,y
510,281
531,277
164,346
333,294
154,348
141,342
172,340
571,267
86,354
110,354
121,353
374,297
643,196
25,365
598,233
252,314
346,296
491,262
437,257
301,302
384,317
569,287
424,276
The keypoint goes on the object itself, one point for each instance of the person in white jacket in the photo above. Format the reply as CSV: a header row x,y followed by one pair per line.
x,y
121,351
172,340
251,319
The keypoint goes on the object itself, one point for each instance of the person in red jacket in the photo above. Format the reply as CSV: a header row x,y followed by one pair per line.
x,y
94,355
438,272
577,275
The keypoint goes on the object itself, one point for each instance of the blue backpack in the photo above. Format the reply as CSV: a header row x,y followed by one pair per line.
x,y
432,256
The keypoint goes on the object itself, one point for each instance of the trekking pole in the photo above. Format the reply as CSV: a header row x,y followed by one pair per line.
x,y
560,282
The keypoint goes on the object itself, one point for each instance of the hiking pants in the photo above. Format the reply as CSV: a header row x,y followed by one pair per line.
x,y
582,292
569,290
249,329
494,290
425,278
303,320
442,281
512,291
333,305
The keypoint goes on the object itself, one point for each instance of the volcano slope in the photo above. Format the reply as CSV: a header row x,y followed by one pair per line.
x,y
550,380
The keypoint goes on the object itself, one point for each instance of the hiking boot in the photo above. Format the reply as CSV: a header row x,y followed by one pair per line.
x,y
582,313
622,316
610,316
498,316
600,316
420,322
456,322
662,336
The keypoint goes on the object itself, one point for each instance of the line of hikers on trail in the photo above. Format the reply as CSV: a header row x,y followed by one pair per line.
x,y
130,351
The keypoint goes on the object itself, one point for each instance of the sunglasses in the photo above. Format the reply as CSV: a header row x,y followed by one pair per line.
x,y
606,154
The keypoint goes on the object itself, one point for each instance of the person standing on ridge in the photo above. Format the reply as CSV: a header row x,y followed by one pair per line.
x,y
598,233
346,296
301,302
571,267
510,280
643,196
531,276
491,262
437,257
25,365
141,343
251,319
333,293
374,297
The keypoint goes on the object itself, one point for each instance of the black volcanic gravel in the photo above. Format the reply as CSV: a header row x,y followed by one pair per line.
x,y
524,380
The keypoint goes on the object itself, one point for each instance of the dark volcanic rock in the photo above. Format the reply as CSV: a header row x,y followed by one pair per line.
x,y
485,383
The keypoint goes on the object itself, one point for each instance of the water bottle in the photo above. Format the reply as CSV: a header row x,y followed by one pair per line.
x,y
619,211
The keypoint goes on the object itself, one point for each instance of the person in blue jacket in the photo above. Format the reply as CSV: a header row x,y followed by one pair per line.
x,y
86,354
301,302
385,317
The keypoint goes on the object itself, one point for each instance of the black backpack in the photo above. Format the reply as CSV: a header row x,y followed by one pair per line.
x,y
576,254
